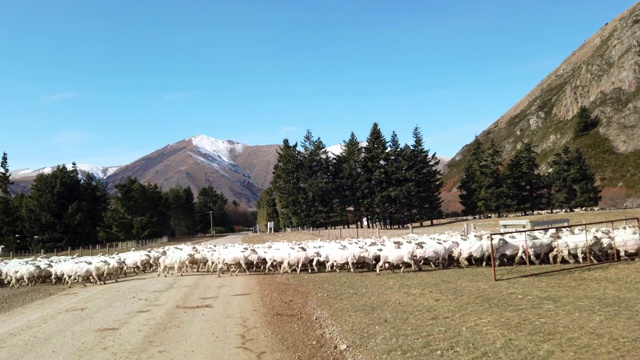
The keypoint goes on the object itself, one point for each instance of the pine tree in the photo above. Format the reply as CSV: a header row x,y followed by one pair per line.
x,y
584,122
395,199
48,207
372,182
347,173
287,185
472,182
95,203
64,209
268,210
571,181
239,216
524,186
492,194
8,213
182,211
316,179
210,209
426,179
137,212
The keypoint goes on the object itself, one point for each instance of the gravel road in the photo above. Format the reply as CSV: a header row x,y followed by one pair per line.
x,y
195,316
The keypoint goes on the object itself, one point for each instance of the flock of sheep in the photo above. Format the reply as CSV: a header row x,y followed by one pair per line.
x,y
379,254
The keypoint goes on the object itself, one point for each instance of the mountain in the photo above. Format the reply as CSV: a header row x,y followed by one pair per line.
x,y
24,177
602,75
238,171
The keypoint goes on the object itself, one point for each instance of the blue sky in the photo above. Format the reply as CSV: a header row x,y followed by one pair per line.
x,y
107,82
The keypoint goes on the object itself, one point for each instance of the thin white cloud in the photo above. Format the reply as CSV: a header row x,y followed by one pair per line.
x,y
179,95
65,95
70,137
288,129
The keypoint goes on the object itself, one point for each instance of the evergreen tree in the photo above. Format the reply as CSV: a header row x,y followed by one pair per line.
x,y
372,182
19,233
63,209
571,181
347,173
395,199
240,216
524,186
287,185
94,205
268,210
584,122
137,212
426,179
472,181
316,179
492,195
210,209
8,213
182,211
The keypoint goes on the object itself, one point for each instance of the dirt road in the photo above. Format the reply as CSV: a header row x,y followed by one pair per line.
x,y
195,316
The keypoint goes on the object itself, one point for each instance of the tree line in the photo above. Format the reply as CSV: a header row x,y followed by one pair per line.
x,y
382,183
492,185
386,184
66,209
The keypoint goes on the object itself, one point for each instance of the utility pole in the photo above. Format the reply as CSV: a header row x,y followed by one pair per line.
x,y
210,220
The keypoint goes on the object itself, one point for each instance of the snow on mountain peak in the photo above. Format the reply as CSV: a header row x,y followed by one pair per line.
x,y
216,147
97,171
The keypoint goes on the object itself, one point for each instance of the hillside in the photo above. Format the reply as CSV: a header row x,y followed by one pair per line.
x,y
238,171
603,75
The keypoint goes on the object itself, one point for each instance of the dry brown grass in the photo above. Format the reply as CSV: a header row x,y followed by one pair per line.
x,y
590,313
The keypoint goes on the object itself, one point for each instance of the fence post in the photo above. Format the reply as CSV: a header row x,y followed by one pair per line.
x,y
493,261
615,251
526,253
55,252
11,254
69,251
586,239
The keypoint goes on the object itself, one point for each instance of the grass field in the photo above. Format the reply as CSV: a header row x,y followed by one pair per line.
x,y
588,313
461,313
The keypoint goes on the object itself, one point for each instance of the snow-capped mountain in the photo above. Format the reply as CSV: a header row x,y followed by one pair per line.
x,y
238,171
97,171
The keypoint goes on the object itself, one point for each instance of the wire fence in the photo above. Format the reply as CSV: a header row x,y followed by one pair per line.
x,y
90,250
358,233
461,225
582,245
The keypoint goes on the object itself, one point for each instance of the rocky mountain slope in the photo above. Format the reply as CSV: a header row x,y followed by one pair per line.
x,y
238,171
603,75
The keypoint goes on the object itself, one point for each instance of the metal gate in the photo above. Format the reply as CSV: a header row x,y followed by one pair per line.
x,y
541,251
